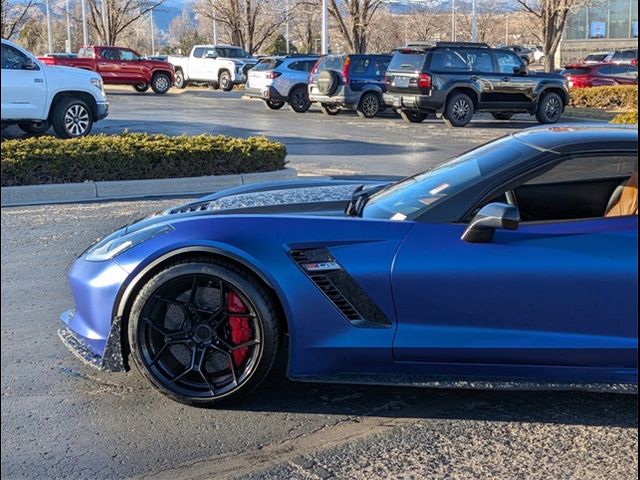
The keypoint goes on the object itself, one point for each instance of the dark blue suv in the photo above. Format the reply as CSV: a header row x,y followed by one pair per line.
x,y
349,81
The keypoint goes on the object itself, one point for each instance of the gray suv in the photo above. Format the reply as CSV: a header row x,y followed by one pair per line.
x,y
280,80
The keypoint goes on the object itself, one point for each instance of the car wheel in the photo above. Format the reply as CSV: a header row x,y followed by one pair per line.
x,y
459,110
214,86
274,104
225,81
203,332
180,82
329,109
71,118
412,116
502,116
369,105
34,127
299,100
141,87
161,83
550,108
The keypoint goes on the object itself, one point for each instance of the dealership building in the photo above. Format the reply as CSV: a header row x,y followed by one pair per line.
x,y
605,25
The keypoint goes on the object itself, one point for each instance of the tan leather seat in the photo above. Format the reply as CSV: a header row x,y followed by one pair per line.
x,y
624,200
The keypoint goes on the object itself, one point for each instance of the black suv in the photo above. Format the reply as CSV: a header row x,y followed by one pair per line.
x,y
455,80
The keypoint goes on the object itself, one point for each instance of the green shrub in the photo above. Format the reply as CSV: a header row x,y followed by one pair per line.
x,y
628,118
134,156
611,98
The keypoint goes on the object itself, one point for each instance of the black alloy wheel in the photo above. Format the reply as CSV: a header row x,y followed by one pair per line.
x,y
299,100
274,104
141,87
203,333
550,108
459,110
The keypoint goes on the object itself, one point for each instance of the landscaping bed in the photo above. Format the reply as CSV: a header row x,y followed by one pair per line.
x,y
135,156
617,104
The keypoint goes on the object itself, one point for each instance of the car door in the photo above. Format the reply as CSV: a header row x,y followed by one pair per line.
x,y
517,90
197,63
486,77
131,66
24,87
108,65
553,293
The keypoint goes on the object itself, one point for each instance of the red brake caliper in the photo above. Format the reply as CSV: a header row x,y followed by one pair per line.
x,y
239,326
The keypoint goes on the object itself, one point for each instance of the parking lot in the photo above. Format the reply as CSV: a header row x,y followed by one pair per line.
x,y
64,420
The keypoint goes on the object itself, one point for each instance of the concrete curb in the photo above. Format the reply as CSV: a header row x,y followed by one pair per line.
x,y
125,189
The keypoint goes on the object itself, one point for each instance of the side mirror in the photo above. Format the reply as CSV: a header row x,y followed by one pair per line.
x,y
488,219
211,55
521,70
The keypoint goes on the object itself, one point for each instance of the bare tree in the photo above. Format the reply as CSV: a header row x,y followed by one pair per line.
x,y
553,15
15,15
251,23
110,18
490,14
305,20
183,33
354,19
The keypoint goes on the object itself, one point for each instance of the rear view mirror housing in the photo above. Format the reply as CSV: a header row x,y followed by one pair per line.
x,y
521,70
490,218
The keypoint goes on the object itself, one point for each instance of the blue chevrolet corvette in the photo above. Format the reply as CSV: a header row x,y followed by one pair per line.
x,y
513,265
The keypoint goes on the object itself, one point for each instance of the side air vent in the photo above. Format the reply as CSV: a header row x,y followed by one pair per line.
x,y
339,287
193,207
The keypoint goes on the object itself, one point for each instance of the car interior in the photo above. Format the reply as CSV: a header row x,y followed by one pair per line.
x,y
579,188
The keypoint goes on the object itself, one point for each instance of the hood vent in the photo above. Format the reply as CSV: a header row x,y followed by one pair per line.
x,y
193,207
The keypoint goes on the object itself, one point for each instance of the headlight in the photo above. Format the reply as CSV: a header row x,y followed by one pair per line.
x,y
111,246
97,82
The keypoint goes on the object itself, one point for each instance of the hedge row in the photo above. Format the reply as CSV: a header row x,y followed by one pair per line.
x,y
610,98
629,118
134,156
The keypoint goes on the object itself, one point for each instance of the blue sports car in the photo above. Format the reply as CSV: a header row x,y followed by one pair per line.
x,y
513,265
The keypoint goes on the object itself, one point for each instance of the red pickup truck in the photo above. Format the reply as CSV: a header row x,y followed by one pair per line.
x,y
120,66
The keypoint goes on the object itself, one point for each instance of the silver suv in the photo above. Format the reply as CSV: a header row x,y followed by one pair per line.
x,y
280,80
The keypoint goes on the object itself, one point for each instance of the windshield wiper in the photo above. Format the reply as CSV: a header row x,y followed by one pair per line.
x,y
359,199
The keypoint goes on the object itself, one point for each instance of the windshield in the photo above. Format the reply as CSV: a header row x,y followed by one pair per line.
x,y
232,53
413,196
267,64
331,62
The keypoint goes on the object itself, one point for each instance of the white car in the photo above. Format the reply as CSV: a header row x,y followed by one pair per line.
x,y
36,96
221,66
538,53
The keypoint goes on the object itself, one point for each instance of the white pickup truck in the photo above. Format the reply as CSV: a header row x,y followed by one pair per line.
x,y
37,96
220,66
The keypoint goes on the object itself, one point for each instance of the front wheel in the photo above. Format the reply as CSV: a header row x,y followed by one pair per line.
x,y
225,81
299,100
329,109
35,128
369,105
413,116
161,83
459,110
71,118
274,104
204,332
141,87
180,81
550,108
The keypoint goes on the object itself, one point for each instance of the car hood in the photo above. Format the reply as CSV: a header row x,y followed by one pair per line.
x,y
299,197
77,72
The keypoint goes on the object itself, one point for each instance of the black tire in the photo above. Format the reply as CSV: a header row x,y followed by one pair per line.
x,y
188,354
160,83
502,116
274,104
328,82
213,86
550,108
299,99
180,82
412,116
141,87
71,118
225,81
369,105
459,110
35,128
329,109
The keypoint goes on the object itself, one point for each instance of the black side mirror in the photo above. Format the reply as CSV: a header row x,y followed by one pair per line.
x,y
28,64
488,219
521,70
211,55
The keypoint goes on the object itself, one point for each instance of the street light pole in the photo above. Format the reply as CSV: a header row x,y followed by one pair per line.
x,y
506,33
474,22
325,27
215,23
50,43
286,12
68,45
85,29
153,40
453,21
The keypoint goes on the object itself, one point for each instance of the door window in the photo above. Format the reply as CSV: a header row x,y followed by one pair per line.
x,y
110,54
382,64
482,61
12,59
199,52
360,66
508,62
128,56
446,60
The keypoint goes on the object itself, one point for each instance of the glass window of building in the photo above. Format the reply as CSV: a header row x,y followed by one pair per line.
x,y
619,18
634,19
598,19
577,25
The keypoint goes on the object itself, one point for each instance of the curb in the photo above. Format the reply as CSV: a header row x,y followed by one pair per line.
x,y
127,189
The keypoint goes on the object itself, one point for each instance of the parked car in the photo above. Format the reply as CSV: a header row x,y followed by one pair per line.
x,y
280,80
597,58
598,75
526,54
537,51
349,81
514,265
220,66
120,66
625,57
455,80
36,96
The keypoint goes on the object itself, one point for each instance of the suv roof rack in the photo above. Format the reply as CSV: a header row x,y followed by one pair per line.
x,y
462,44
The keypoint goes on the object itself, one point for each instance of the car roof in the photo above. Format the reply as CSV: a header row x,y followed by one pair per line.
x,y
581,137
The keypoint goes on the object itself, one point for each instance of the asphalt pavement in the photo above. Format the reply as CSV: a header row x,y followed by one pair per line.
x,y
61,419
